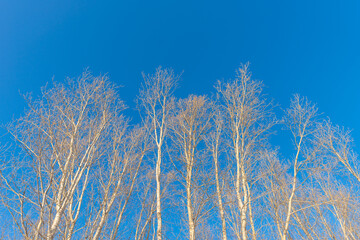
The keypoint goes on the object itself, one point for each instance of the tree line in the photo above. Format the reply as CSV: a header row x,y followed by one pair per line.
x,y
202,167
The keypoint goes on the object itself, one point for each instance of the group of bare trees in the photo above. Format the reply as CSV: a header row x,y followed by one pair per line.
x,y
195,168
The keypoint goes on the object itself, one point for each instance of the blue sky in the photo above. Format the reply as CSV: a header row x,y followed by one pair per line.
x,y
306,47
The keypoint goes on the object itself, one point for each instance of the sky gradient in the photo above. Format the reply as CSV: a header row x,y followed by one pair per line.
x,y
306,47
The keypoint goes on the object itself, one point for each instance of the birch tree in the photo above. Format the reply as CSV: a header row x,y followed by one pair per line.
x,y
338,142
300,119
117,177
80,169
214,142
157,103
340,181
189,127
61,136
248,117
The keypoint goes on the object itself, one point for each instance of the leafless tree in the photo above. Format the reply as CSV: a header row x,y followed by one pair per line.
x,y
340,181
302,195
157,102
248,117
189,126
148,206
338,141
213,142
80,169
62,135
117,178
300,119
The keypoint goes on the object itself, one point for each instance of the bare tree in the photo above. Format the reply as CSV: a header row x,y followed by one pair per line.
x,y
81,170
213,142
338,141
303,195
62,135
189,126
340,179
157,103
248,117
300,119
148,206
117,177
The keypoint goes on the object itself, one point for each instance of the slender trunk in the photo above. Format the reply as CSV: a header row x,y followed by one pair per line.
x,y
147,222
251,217
158,194
119,217
241,180
108,201
221,207
189,204
143,205
342,224
244,205
289,213
241,204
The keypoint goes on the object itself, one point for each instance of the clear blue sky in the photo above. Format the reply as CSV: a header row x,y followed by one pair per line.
x,y
308,47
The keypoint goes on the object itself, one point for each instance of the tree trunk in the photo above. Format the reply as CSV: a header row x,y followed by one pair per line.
x,y
158,195
189,204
